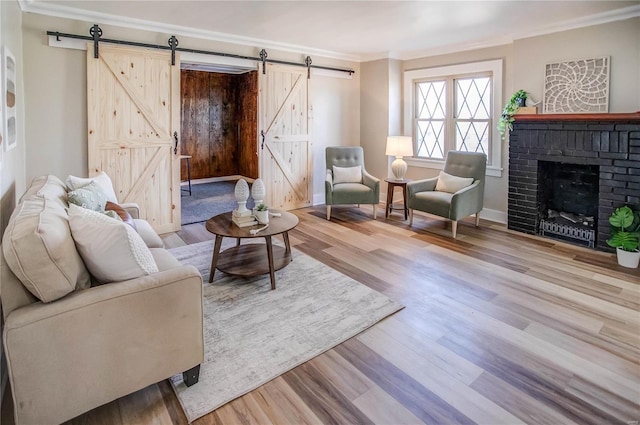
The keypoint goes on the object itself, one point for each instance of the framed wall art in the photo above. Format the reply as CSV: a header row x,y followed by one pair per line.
x,y
577,86
9,99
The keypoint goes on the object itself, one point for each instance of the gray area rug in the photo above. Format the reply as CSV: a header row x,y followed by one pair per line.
x,y
208,200
254,334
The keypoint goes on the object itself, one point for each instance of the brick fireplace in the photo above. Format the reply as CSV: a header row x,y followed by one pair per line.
x,y
567,173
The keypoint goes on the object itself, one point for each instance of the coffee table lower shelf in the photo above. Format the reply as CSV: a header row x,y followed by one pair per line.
x,y
250,260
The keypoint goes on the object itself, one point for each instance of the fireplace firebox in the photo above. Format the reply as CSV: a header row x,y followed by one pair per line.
x,y
567,173
568,201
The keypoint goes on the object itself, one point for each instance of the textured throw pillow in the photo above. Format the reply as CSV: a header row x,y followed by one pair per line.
x,y
121,213
101,180
111,250
452,184
347,174
90,196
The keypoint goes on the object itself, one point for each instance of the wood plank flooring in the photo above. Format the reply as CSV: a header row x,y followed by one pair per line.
x,y
499,328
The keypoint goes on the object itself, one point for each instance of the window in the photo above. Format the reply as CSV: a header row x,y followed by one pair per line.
x,y
454,107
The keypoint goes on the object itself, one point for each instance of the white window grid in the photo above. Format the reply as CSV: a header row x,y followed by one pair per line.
x,y
453,113
493,68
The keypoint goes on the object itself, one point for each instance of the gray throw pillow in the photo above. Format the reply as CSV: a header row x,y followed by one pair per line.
x,y
91,197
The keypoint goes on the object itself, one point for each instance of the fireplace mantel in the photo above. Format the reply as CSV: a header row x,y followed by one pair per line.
x,y
632,116
609,141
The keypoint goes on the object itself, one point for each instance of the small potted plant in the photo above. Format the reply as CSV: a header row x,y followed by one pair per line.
x,y
506,118
262,214
625,236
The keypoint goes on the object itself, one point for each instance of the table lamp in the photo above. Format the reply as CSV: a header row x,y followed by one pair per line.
x,y
399,146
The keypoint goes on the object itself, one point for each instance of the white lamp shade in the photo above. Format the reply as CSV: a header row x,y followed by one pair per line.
x,y
399,146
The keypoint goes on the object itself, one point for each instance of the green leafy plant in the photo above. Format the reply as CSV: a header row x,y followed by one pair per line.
x,y
506,118
262,207
625,229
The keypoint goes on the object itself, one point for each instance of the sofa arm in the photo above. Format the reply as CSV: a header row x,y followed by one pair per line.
x,y
425,185
132,208
466,201
95,345
328,188
370,180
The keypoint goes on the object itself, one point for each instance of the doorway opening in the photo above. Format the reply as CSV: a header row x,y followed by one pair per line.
x,y
219,128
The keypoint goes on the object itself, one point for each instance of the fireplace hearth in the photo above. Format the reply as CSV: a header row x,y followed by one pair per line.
x,y
567,173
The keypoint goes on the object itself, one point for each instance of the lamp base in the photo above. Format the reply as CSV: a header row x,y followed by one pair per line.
x,y
399,168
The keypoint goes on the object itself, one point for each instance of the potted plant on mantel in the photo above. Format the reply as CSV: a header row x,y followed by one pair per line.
x,y
506,118
625,236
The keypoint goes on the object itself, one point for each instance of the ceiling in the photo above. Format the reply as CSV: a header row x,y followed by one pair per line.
x,y
354,30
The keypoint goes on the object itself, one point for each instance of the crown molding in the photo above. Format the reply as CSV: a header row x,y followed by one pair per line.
x,y
59,11
46,8
586,21
598,19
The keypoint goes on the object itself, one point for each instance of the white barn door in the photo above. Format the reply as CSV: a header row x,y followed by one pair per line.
x,y
285,143
133,98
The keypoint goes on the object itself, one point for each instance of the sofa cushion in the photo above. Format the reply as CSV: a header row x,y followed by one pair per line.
x,y
111,249
347,174
38,246
451,184
90,196
148,235
101,180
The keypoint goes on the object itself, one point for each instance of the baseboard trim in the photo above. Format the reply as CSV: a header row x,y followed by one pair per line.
x,y
494,215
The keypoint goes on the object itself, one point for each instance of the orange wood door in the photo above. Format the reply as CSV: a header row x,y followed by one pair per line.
x,y
133,98
285,155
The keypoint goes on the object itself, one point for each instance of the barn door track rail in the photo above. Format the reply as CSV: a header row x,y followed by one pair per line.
x,y
95,35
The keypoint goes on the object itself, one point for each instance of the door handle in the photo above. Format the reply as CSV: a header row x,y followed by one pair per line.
x,y
262,134
175,142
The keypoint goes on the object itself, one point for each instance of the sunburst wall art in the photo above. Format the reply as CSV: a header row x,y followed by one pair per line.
x,y
577,86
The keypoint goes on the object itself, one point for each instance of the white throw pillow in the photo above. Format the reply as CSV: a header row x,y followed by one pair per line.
x,y
452,184
111,249
347,174
101,180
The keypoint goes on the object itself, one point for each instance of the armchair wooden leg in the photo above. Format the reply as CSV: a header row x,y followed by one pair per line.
x,y
411,217
454,228
478,219
328,212
191,376
375,211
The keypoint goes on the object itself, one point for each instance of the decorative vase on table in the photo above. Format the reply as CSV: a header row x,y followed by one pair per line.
x,y
241,194
258,192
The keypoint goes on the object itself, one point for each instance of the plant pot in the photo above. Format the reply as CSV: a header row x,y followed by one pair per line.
x,y
627,258
262,216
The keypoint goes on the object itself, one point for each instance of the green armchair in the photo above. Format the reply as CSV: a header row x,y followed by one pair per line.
x,y
452,204
349,182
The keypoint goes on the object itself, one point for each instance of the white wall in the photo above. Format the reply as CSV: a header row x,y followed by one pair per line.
x,y
620,40
13,181
375,113
12,176
56,97
336,121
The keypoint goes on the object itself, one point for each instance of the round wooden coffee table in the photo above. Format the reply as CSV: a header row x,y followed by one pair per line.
x,y
249,260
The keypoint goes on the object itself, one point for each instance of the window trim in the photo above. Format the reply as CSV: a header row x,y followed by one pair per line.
x,y
494,163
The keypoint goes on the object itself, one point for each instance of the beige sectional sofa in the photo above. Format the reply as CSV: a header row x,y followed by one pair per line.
x,y
72,345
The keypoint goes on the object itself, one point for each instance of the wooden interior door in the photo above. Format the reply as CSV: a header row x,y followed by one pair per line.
x,y
133,98
285,151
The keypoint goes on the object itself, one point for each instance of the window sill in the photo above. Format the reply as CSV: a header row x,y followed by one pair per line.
x,y
439,165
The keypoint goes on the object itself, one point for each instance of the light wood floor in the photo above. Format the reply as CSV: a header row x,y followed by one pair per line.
x,y
499,328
